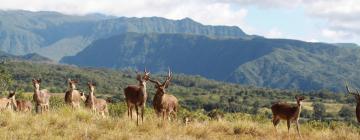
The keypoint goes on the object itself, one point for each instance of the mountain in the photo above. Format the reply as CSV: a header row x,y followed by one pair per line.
x,y
28,57
275,63
55,35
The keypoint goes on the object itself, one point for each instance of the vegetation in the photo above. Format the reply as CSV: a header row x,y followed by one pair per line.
x,y
194,92
62,122
273,63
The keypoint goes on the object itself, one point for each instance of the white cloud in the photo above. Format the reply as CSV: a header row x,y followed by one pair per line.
x,y
274,33
342,17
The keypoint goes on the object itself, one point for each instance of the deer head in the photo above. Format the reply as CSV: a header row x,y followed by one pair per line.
x,y
36,83
299,99
91,86
143,79
82,96
72,83
162,86
11,97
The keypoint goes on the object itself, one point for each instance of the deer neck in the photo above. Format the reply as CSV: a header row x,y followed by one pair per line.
x,y
92,99
298,111
143,89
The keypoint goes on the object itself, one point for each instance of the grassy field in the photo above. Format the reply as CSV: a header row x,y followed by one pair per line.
x,y
66,123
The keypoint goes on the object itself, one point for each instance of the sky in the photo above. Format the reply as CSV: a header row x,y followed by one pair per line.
x,y
330,21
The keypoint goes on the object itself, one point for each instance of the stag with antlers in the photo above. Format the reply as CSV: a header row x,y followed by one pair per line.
x,y
136,95
72,96
40,97
164,103
357,98
284,111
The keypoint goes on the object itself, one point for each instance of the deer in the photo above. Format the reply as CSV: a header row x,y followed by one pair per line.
x,y
96,105
40,97
285,111
8,102
136,96
20,105
357,98
164,103
72,96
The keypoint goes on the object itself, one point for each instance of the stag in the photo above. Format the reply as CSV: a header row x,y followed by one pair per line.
x,y
284,111
96,105
164,103
8,102
357,98
40,97
73,97
135,96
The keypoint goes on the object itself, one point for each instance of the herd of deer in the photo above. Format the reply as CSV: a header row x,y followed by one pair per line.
x,y
164,104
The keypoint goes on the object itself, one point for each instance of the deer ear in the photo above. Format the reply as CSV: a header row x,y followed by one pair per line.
x,y
39,80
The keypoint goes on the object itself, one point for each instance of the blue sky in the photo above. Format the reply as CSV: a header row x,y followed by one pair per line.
x,y
309,20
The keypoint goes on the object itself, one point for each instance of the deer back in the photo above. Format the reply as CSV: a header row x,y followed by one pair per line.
x,y
73,96
135,94
284,110
42,96
23,105
5,103
165,102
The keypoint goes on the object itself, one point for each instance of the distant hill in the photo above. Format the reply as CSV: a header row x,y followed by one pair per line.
x,y
28,57
275,63
55,35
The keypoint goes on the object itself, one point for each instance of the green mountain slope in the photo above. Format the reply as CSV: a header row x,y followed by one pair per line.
x,y
275,63
55,35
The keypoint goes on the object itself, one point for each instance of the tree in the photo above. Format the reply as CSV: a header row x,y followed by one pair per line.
x,y
346,112
319,111
5,79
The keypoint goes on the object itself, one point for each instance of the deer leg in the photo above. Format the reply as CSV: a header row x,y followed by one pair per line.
x,y
297,128
288,125
142,114
131,114
275,121
137,114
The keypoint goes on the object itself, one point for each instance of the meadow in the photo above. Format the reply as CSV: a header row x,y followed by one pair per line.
x,y
63,122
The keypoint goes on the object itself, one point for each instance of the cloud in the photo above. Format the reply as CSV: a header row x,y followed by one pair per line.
x,y
341,17
274,33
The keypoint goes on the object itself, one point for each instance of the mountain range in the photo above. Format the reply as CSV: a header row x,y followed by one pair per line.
x,y
56,35
223,53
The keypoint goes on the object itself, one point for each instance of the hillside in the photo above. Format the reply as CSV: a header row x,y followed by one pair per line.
x,y
193,92
55,35
274,63
28,57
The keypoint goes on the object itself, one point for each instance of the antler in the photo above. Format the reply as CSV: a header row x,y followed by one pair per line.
x,y
155,81
348,90
168,78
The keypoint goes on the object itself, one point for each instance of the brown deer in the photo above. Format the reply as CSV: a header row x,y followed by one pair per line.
x,y
8,102
357,98
284,111
73,97
40,97
136,95
164,103
20,105
96,105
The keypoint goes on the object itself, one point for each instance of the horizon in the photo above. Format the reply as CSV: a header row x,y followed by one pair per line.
x,y
311,21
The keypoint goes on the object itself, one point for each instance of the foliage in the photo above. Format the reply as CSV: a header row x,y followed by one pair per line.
x,y
319,111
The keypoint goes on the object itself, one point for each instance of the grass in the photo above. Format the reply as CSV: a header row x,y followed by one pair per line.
x,y
66,123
